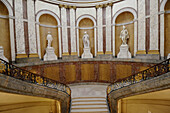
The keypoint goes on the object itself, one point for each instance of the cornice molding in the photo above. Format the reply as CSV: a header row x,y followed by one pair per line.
x,y
82,3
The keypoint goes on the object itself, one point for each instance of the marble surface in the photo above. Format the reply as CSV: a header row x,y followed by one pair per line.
x,y
50,55
124,52
2,54
85,11
87,53
64,30
19,27
46,6
141,25
154,25
108,28
100,30
31,27
73,30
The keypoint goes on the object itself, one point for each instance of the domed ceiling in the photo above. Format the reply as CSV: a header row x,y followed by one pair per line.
x,y
82,3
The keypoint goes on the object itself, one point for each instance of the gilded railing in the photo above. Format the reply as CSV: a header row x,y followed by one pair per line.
x,y
24,75
154,71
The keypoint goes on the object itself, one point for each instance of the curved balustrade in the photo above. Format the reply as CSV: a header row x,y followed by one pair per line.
x,y
154,71
18,73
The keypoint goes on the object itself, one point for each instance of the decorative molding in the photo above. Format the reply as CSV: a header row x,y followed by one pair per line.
x,y
65,54
22,56
141,52
153,52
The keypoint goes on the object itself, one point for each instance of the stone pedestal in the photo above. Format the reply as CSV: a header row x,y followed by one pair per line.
x,y
2,54
50,55
87,53
124,52
168,56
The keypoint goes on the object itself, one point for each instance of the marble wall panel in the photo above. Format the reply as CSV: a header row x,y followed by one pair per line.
x,y
141,25
19,26
83,11
46,6
10,2
123,4
100,29
154,25
73,30
108,29
31,27
64,30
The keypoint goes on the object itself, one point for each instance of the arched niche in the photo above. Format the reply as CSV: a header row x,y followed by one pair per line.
x,y
49,21
46,22
124,17
5,31
167,29
86,23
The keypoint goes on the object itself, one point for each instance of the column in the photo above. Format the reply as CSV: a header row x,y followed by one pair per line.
x,y
64,31
31,29
99,30
141,27
108,29
154,27
73,31
19,26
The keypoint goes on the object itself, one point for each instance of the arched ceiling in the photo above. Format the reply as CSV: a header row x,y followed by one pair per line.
x,y
82,3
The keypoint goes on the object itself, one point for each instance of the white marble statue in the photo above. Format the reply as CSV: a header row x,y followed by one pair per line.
x,y
2,54
50,52
124,35
49,39
124,48
86,41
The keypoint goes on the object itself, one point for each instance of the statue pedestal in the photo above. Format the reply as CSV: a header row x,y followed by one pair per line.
x,y
50,55
2,54
124,52
168,56
87,53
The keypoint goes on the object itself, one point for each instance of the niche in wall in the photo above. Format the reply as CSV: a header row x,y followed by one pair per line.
x,y
4,31
167,29
86,23
47,20
124,17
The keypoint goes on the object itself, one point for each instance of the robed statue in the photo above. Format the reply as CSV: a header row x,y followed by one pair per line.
x,y
124,35
86,41
49,39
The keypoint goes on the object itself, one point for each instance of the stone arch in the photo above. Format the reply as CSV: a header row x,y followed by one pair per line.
x,y
133,11
162,28
78,28
38,15
11,28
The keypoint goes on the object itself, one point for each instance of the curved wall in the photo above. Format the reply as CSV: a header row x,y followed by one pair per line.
x,y
87,71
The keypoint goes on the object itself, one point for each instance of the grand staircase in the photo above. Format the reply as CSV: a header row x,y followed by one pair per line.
x,y
89,99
